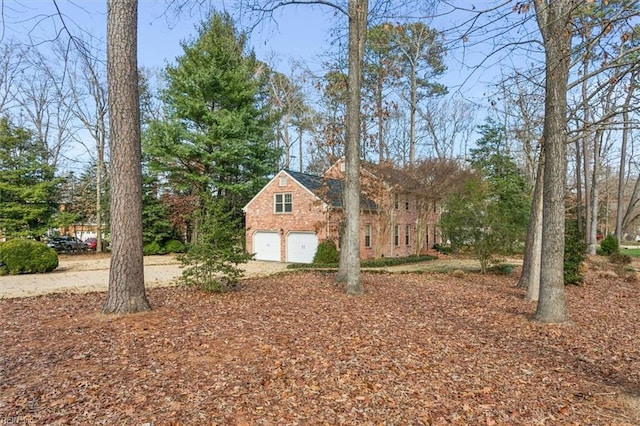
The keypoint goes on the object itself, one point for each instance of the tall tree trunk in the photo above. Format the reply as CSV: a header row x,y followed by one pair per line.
x,y
623,159
379,107
100,173
595,195
412,118
99,166
300,149
358,10
530,277
126,292
579,202
585,208
554,21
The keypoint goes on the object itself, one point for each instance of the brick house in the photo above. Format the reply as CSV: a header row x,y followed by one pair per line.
x,y
287,219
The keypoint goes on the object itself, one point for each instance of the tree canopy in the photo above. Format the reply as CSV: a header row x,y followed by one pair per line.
x,y
27,184
217,133
490,214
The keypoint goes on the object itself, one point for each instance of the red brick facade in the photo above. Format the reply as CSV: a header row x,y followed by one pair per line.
x,y
308,212
391,230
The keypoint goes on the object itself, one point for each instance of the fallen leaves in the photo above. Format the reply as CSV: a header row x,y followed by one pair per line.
x,y
294,349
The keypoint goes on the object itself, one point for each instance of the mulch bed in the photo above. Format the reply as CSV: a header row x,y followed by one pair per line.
x,y
416,349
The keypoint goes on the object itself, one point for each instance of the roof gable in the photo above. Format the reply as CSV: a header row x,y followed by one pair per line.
x,y
325,189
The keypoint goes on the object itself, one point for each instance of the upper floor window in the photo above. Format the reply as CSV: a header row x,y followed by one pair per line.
x,y
282,181
283,203
406,205
396,201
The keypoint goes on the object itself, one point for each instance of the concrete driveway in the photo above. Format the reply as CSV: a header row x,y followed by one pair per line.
x,y
86,273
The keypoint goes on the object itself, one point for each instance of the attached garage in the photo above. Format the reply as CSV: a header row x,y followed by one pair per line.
x,y
266,245
301,247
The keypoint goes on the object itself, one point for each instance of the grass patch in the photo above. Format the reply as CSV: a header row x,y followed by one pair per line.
x,y
634,252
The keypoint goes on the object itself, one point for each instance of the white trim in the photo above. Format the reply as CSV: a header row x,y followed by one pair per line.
x,y
283,203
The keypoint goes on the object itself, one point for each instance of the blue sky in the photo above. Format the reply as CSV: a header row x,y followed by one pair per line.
x,y
299,33
302,33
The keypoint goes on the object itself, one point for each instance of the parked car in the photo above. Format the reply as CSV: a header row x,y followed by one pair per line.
x,y
67,244
91,243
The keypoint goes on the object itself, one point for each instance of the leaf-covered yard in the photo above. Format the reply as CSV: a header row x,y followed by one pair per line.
x,y
294,349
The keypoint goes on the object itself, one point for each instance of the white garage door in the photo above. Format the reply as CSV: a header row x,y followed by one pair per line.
x,y
266,245
301,247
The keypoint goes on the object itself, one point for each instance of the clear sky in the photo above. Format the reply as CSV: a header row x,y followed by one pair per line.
x,y
299,33
302,33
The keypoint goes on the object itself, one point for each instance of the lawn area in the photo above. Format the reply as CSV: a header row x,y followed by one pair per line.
x,y
293,349
633,252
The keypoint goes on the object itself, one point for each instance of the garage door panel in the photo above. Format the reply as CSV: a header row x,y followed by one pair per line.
x,y
266,246
301,247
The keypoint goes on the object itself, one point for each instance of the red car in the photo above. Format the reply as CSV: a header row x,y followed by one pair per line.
x,y
91,243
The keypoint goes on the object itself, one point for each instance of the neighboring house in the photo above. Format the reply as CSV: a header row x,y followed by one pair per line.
x,y
295,211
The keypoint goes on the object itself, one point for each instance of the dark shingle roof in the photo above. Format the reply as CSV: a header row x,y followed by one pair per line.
x,y
327,189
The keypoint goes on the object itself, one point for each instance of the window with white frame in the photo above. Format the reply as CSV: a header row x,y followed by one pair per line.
x,y
367,235
407,234
283,203
396,235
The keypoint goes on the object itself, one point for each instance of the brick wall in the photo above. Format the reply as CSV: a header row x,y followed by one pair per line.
x,y
383,241
307,213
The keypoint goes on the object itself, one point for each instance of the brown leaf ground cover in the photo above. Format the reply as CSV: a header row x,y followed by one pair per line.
x,y
416,349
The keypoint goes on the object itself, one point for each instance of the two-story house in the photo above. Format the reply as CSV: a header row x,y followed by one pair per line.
x,y
287,219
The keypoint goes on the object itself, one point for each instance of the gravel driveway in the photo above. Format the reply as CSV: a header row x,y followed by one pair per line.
x,y
90,272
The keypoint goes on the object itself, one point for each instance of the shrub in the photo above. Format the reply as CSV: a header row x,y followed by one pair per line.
x,y
575,252
152,248
174,246
443,249
501,269
327,253
609,246
212,261
371,263
619,258
393,261
26,257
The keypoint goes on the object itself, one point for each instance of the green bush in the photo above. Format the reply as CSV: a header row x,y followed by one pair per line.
x,y
393,261
26,257
609,246
174,246
152,248
212,261
371,263
327,253
619,258
501,269
443,249
575,252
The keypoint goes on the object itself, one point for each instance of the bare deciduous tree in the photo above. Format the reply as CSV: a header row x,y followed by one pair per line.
x,y
449,122
554,22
